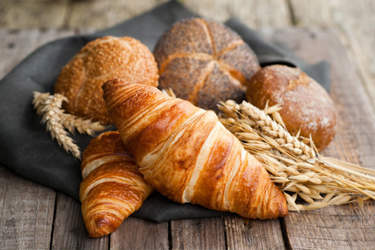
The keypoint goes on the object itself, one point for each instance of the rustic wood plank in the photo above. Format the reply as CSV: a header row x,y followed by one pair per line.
x,y
26,214
207,233
33,13
339,227
140,234
103,14
69,229
4,6
3,184
255,14
356,25
311,13
15,45
26,207
253,234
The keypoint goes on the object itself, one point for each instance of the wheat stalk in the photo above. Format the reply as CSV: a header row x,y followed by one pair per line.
x,y
293,161
169,92
57,121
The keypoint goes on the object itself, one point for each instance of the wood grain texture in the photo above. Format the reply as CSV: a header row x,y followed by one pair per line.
x,y
253,234
26,213
356,25
26,207
140,234
255,14
69,231
207,233
15,45
101,14
336,227
33,13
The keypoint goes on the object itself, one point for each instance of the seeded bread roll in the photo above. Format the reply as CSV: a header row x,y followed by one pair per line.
x,y
306,105
204,62
101,60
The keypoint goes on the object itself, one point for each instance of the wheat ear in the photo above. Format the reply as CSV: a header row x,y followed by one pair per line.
x,y
294,166
57,121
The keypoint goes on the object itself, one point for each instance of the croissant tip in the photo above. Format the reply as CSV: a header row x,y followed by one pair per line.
x,y
283,208
102,226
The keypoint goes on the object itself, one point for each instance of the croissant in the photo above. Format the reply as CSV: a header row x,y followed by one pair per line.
x,y
187,155
112,187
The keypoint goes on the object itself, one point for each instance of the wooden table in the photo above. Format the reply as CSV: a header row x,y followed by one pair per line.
x,y
36,217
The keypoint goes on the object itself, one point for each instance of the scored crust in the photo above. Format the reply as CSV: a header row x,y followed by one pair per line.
x,y
306,105
204,62
97,62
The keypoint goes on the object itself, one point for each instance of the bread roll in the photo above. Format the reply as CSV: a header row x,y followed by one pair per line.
x,y
204,62
97,62
306,105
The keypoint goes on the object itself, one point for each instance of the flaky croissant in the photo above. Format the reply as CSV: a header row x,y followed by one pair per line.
x,y
112,187
186,154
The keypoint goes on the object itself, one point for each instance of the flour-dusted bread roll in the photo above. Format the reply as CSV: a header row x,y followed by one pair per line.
x,y
97,62
112,187
306,105
204,62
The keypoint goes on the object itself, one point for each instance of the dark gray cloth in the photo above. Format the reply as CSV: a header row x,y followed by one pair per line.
x,y
26,147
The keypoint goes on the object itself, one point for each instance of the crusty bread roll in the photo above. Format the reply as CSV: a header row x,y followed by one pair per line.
x,y
204,62
97,62
306,105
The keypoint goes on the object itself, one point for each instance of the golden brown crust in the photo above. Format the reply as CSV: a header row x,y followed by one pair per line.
x,y
187,155
306,105
97,62
112,188
204,62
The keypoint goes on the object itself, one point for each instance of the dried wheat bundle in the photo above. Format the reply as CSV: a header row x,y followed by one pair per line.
x,y
57,121
293,162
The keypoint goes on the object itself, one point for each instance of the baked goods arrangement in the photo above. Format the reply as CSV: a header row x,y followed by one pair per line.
x,y
255,160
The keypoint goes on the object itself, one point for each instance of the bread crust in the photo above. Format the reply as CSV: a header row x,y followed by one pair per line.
x,y
97,62
306,105
204,62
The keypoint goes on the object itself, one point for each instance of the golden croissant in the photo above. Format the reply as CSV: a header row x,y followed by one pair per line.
x,y
187,155
112,187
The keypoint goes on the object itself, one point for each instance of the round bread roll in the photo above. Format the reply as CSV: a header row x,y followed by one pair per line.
x,y
101,60
204,62
306,105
